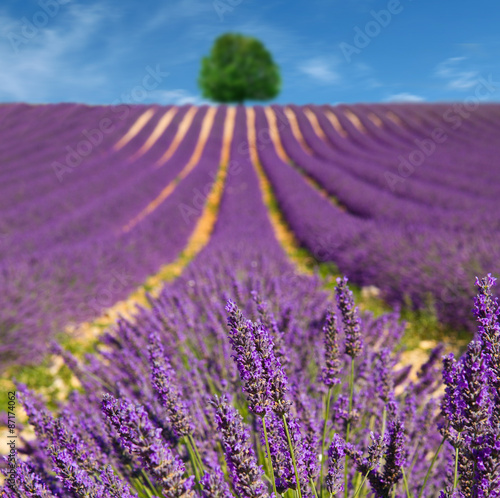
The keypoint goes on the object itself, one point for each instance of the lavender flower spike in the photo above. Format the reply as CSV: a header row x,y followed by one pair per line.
x,y
331,330
395,456
384,379
336,454
74,478
487,312
25,483
248,360
240,458
116,487
214,485
138,435
162,377
350,318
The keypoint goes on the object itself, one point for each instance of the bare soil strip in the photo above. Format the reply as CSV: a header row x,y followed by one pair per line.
x,y
206,127
139,124
335,123
376,120
283,234
313,119
394,118
294,126
157,132
310,181
355,120
179,136
275,134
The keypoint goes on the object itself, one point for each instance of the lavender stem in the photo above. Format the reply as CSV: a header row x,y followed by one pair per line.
x,y
408,494
351,393
292,453
434,458
323,442
269,455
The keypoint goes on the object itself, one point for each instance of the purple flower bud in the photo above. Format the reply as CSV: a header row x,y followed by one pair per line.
x,y
383,378
350,318
214,485
248,360
331,331
74,478
266,383
245,473
138,435
25,483
163,380
395,455
336,455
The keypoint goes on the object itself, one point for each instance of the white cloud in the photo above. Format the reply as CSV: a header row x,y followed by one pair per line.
x,y
175,11
321,70
404,97
458,78
35,68
176,97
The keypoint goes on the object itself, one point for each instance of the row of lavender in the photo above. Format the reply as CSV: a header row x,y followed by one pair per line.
x,y
303,399
421,246
65,255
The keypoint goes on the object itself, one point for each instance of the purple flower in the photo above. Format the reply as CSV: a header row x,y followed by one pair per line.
x,y
486,308
248,360
487,312
266,383
245,473
475,389
25,483
383,378
331,331
214,485
163,380
451,494
74,478
453,404
394,455
115,486
350,318
277,382
280,453
336,455
138,435
478,456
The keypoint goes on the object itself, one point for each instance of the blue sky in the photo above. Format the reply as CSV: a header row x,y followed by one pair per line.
x,y
110,51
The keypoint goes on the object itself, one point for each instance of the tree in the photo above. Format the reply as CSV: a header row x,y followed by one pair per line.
x,y
239,68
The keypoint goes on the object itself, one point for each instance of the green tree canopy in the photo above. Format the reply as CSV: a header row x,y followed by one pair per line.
x,y
239,68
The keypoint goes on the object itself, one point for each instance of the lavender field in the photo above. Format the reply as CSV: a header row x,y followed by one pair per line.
x,y
247,376
84,224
